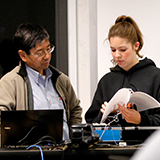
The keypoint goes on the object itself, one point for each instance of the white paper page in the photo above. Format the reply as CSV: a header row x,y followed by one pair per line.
x,y
143,101
122,96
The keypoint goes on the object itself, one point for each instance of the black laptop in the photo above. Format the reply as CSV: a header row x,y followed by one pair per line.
x,y
41,127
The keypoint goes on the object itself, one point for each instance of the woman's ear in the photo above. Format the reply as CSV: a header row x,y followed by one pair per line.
x,y
137,44
22,55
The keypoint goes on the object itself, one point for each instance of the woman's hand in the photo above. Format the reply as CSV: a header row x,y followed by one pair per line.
x,y
103,107
130,115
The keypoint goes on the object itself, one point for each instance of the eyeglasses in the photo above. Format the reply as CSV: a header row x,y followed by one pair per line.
x,y
42,53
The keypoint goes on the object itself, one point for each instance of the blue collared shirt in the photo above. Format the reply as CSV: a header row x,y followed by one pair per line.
x,y
45,96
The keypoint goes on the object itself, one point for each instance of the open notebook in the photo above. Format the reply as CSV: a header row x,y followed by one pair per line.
x,y
143,101
31,127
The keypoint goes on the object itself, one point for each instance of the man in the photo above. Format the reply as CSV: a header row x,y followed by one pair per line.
x,y
35,84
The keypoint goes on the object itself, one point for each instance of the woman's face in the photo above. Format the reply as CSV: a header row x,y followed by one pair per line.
x,y
123,52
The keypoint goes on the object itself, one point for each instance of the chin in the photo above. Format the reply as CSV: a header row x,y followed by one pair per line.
x,y
46,65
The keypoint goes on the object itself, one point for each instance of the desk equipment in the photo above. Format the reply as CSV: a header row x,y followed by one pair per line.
x,y
108,133
130,134
85,144
83,135
41,127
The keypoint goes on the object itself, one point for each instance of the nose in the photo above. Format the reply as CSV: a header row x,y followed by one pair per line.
x,y
117,54
47,55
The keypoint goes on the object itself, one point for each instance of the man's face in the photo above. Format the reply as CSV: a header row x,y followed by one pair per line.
x,y
37,60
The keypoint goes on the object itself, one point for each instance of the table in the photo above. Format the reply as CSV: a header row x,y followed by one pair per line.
x,y
69,154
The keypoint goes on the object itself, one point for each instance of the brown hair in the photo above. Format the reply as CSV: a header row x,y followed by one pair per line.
x,y
126,27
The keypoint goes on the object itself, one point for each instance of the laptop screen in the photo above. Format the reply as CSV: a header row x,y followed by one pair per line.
x,y
31,127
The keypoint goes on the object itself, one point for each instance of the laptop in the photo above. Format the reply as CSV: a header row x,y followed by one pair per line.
x,y
41,127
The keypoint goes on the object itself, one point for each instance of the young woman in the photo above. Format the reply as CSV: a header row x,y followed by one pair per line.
x,y
130,71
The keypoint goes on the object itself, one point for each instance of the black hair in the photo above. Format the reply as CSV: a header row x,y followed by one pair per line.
x,y
28,35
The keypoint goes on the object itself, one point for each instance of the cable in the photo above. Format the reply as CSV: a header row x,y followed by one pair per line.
x,y
103,131
31,132
42,158
113,136
111,132
46,140
115,119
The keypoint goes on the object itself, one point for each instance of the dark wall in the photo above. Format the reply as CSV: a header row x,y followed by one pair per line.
x,y
51,14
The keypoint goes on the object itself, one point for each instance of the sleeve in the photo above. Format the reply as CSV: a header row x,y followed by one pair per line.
x,y
150,117
74,106
93,115
7,94
72,103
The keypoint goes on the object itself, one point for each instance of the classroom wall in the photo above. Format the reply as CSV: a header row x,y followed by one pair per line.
x,y
88,25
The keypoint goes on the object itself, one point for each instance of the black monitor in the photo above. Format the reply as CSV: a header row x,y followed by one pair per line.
x,y
31,127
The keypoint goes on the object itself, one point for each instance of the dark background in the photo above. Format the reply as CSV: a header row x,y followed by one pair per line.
x,y
51,14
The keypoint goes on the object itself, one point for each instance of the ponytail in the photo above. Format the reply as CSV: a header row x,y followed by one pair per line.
x,y
126,27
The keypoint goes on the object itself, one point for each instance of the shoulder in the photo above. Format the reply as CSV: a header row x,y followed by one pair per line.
x,y
146,62
107,77
11,80
149,65
59,76
12,74
63,79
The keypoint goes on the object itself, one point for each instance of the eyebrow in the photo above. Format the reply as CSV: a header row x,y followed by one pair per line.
x,y
119,47
41,48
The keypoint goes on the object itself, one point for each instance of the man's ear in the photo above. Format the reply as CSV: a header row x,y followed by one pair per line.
x,y
22,55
